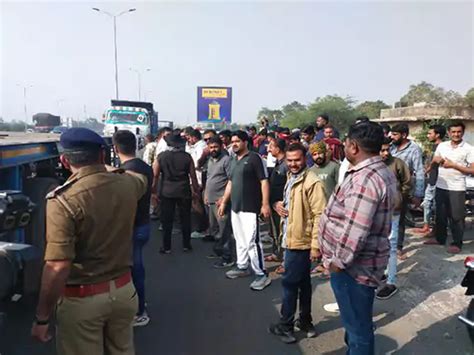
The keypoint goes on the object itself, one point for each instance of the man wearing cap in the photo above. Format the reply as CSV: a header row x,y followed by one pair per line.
x,y
89,221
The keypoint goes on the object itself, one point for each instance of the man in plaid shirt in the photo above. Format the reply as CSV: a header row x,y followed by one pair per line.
x,y
354,232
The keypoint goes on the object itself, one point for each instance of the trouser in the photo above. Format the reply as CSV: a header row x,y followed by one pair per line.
x,y
141,235
401,226
247,241
429,203
222,229
296,282
199,218
167,216
275,227
97,325
392,261
355,303
450,207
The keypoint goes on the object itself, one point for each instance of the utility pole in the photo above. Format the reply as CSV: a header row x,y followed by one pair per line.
x,y
25,108
114,17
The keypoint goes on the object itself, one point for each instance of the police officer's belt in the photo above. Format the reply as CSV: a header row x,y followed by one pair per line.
x,y
96,289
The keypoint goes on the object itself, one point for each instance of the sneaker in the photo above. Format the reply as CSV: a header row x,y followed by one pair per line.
x,y
187,249
213,256
260,283
309,329
165,251
223,264
331,307
386,292
285,336
197,235
141,321
236,272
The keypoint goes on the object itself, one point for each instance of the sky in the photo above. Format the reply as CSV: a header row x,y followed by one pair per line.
x,y
270,53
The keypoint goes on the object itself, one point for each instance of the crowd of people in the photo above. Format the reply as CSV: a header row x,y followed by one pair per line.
x,y
335,208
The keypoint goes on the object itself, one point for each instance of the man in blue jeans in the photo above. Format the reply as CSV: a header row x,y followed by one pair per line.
x,y
303,203
403,176
125,146
354,232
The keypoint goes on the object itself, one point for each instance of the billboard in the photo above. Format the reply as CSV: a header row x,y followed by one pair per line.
x,y
214,104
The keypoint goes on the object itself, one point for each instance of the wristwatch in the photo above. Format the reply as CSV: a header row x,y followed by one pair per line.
x,y
41,321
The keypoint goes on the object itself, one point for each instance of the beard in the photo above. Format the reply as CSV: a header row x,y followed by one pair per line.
x,y
319,161
215,154
398,142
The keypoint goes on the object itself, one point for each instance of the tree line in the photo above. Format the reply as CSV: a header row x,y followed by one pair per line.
x,y
344,110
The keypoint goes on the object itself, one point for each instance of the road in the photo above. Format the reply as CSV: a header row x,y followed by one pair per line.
x,y
194,309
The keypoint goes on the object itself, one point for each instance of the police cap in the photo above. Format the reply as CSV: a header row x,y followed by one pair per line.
x,y
81,138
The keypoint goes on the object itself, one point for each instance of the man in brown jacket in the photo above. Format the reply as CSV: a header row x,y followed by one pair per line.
x,y
403,176
303,203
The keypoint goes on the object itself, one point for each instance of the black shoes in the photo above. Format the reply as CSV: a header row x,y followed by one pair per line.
x,y
187,249
309,329
165,251
285,336
386,292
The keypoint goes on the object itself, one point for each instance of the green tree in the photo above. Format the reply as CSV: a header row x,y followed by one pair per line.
x,y
426,92
469,98
270,114
339,109
371,109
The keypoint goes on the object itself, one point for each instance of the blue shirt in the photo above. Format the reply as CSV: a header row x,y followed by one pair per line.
x,y
412,156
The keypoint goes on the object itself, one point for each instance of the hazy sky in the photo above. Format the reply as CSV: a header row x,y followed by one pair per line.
x,y
270,53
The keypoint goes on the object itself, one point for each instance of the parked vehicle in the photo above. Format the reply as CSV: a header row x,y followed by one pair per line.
x,y
468,282
45,122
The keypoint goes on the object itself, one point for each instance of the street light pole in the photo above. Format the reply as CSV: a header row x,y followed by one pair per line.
x,y
25,109
139,77
116,60
114,17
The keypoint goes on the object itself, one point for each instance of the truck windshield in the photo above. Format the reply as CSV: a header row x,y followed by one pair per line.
x,y
114,116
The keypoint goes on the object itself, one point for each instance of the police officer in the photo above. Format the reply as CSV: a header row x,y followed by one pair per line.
x,y
89,221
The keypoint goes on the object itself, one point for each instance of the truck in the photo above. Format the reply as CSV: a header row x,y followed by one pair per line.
x,y
45,122
29,169
138,117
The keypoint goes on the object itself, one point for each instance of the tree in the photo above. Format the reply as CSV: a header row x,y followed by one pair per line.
x,y
340,110
426,92
371,109
295,106
270,114
469,98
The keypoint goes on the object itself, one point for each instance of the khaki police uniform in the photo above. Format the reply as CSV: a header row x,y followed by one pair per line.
x,y
90,222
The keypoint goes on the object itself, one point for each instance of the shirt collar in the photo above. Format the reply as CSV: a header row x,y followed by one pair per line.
x,y
365,163
405,147
88,170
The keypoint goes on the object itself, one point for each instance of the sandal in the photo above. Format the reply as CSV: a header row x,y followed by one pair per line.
x,y
280,269
272,258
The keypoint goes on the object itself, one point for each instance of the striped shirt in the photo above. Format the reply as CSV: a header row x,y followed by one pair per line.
x,y
413,157
355,226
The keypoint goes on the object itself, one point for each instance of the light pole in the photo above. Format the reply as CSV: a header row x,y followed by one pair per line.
x,y
115,42
139,76
25,110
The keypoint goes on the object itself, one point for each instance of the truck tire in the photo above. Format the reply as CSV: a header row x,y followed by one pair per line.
x,y
35,233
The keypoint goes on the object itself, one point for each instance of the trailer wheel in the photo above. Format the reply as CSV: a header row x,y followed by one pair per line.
x,y
35,233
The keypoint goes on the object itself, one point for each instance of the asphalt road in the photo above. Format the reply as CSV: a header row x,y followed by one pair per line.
x,y
194,309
